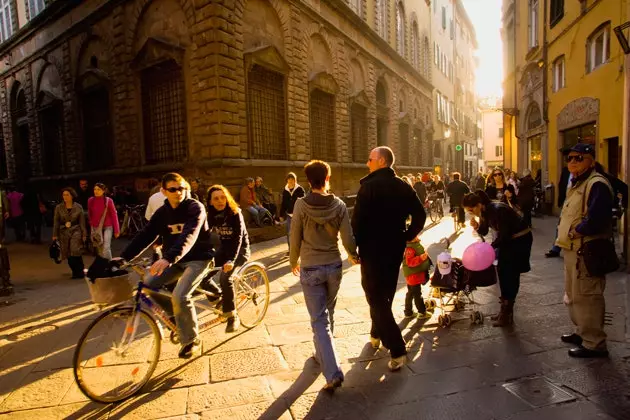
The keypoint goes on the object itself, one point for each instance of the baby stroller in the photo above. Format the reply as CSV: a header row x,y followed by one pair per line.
x,y
455,285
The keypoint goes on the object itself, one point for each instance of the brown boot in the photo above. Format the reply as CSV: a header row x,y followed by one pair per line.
x,y
495,317
506,314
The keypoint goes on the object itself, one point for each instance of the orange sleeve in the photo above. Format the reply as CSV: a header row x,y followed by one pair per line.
x,y
413,260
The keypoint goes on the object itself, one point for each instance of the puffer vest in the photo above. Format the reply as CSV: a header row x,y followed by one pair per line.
x,y
575,209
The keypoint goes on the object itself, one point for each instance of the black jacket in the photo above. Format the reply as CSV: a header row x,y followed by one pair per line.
x,y
562,186
502,218
421,191
233,233
495,193
383,205
456,190
526,192
184,231
289,198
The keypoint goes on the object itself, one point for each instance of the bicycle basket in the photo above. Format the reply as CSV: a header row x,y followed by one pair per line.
x,y
110,290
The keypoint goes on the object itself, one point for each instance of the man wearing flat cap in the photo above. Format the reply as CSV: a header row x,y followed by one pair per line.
x,y
586,215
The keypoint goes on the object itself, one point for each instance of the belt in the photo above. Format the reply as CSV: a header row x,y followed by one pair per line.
x,y
521,233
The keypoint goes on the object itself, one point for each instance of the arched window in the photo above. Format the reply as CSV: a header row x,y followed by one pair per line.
x,y
381,18
21,133
322,125
415,46
400,29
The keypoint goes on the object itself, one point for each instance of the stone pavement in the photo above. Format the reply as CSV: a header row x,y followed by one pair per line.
x,y
462,372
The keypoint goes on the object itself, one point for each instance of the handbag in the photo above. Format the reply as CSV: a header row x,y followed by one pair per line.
x,y
97,233
599,255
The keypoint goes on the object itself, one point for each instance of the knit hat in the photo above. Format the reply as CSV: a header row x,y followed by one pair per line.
x,y
444,263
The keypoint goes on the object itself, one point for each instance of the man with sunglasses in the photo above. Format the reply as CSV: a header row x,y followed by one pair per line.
x,y
586,215
187,255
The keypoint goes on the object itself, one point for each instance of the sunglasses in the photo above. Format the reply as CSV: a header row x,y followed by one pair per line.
x,y
175,189
497,174
576,158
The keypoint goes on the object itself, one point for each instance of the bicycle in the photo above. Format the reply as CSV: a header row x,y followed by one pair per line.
x,y
435,207
125,355
133,220
456,223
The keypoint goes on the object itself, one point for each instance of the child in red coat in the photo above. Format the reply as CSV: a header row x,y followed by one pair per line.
x,y
416,265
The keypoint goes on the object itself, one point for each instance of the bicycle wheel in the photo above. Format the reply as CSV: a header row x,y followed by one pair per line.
x,y
433,212
251,294
116,355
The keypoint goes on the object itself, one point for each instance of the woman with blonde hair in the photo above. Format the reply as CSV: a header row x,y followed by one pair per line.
x,y
226,219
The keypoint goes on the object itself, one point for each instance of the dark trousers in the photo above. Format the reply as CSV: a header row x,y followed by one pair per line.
x,y
379,277
34,225
19,226
461,214
226,282
76,265
527,215
272,208
509,281
513,260
414,295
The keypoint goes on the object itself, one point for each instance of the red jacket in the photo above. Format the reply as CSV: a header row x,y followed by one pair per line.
x,y
413,260
96,206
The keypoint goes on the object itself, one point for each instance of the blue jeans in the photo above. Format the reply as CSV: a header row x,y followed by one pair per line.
x,y
257,213
288,225
320,285
188,275
105,250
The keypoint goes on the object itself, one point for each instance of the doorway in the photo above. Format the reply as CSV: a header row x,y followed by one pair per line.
x,y
614,151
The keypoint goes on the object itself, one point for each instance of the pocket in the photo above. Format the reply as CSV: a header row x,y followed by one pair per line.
x,y
588,285
312,276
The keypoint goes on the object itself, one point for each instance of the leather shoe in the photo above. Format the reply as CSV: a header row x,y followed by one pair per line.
x,y
583,352
552,254
571,339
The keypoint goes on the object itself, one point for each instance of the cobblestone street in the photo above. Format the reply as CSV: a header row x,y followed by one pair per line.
x,y
461,372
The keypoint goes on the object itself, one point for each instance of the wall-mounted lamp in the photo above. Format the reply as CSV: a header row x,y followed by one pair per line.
x,y
622,38
540,63
447,133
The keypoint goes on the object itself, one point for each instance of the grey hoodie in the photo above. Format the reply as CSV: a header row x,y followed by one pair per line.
x,y
317,221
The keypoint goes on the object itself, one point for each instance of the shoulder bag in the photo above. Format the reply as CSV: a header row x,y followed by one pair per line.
x,y
97,233
599,255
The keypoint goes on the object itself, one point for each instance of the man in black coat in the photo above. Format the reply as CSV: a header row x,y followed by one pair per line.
x,y
379,222
526,195
456,191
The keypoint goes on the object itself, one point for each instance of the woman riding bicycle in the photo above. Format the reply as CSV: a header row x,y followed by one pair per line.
x,y
226,219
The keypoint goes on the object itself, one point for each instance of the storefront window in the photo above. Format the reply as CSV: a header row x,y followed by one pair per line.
x,y
582,134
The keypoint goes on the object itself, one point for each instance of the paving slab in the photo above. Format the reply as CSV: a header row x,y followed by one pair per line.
x,y
39,389
227,394
153,405
267,410
582,410
245,363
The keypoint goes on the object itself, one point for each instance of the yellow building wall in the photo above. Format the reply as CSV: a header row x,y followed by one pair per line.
x,y
604,83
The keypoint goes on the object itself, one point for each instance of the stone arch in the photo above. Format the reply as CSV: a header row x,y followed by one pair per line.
x,y
94,53
320,57
358,81
263,26
171,24
20,130
382,92
49,80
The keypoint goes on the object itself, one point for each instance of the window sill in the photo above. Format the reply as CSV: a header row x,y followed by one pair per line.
x,y
532,51
598,66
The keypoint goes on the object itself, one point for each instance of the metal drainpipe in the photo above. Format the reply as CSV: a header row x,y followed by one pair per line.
x,y
545,107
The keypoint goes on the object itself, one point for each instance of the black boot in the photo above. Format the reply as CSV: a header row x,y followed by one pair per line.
x,y
506,314
495,317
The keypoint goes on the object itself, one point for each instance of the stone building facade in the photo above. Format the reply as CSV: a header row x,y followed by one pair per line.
x,y
123,90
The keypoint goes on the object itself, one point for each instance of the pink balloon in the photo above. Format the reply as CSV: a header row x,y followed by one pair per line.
x,y
478,256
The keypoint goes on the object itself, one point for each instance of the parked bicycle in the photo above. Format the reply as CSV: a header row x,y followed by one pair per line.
x,y
133,220
119,351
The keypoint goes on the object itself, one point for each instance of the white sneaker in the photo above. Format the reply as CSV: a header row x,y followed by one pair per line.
x,y
397,362
376,342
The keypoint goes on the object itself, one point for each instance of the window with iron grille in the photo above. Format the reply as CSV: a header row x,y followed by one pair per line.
x,y
3,156
322,121
403,139
358,132
164,113
51,129
97,129
266,109
21,135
